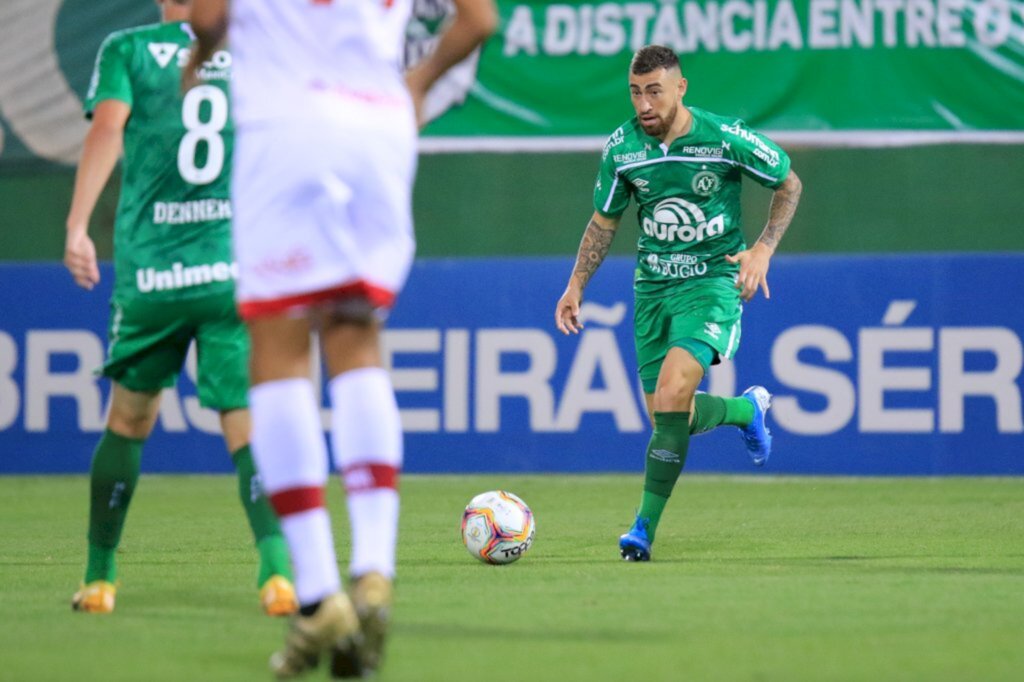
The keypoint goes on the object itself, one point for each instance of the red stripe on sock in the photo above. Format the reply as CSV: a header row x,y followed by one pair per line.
x,y
363,477
296,500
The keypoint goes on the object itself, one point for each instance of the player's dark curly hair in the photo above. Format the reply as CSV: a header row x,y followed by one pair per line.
x,y
653,57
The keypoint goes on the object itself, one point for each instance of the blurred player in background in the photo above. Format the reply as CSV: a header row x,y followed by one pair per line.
x,y
683,166
427,23
324,165
174,279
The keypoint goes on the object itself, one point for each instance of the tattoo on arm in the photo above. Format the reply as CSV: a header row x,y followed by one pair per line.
x,y
784,203
593,248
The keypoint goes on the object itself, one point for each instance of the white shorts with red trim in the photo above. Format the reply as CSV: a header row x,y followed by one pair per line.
x,y
323,205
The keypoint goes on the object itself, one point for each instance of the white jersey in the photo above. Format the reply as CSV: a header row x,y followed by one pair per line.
x,y
283,50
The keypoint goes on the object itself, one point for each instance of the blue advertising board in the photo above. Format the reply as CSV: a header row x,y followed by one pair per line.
x,y
892,365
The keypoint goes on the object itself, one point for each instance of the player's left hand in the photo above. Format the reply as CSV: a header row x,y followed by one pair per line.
x,y
753,273
567,311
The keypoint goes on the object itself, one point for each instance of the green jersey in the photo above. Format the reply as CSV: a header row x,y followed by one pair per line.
x,y
172,235
687,195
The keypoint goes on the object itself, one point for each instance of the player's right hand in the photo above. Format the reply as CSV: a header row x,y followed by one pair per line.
x,y
567,312
80,259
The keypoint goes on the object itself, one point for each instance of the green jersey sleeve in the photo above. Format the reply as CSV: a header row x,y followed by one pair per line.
x,y
611,192
110,79
756,155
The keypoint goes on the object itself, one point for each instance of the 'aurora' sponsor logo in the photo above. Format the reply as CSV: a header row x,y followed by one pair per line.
x,y
676,219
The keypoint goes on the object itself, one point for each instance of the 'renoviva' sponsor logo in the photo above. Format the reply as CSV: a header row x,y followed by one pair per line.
x,y
184,276
716,151
630,157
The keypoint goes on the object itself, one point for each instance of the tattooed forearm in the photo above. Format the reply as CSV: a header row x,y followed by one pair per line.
x,y
784,203
593,248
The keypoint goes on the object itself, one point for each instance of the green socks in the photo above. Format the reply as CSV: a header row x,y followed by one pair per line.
x,y
666,454
112,479
710,411
115,473
266,529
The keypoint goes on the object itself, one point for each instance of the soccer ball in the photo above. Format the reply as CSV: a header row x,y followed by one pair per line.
x,y
497,527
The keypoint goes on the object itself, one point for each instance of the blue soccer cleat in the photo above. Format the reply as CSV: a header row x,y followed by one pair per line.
x,y
757,436
634,545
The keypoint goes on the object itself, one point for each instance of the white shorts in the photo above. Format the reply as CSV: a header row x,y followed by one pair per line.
x,y
323,205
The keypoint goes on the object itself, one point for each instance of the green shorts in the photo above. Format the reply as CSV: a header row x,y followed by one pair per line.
x,y
704,320
148,343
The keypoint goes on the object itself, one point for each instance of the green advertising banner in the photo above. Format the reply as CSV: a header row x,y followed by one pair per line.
x,y
815,72
810,72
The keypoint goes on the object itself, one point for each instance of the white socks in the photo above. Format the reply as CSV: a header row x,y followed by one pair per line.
x,y
291,456
366,436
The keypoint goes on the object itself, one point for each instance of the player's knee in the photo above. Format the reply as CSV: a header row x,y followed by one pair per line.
x,y
349,346
280,348
132,413
131,423
674,394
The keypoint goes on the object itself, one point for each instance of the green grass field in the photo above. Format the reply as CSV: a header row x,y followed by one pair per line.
x,y
753,579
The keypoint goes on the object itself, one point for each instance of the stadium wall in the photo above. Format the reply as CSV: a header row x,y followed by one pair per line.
x,y
917,199
892,352
880,365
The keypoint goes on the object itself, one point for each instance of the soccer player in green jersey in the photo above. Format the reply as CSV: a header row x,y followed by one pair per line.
x,y
173,279
683,167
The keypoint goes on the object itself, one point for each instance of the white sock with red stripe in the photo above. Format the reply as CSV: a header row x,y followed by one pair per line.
x,y
291,457
366,435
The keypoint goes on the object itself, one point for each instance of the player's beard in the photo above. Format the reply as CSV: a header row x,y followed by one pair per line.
x,y
662,125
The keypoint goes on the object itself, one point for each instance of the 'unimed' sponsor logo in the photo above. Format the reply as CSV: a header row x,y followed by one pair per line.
x,y
184,276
